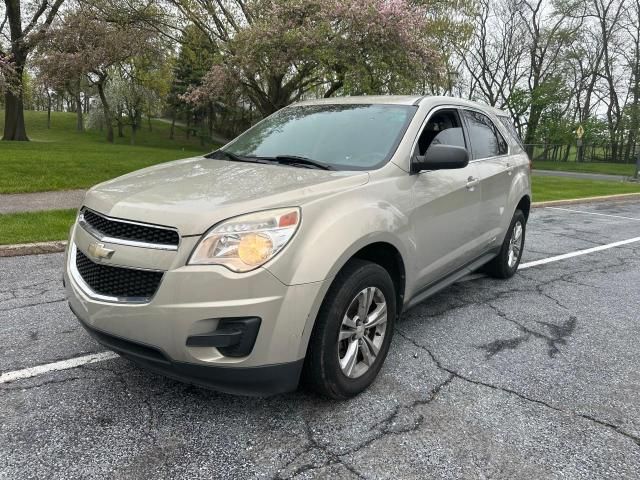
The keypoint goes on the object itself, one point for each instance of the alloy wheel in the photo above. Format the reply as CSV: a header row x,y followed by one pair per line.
x,y
515,244
362,332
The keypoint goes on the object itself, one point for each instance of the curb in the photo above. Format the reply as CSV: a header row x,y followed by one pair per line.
x,y
572,201
59,246
32,248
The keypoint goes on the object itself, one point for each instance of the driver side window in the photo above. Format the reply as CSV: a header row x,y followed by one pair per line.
x,y
443,128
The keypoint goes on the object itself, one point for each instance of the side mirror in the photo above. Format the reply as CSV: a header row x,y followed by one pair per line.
x,y
440,157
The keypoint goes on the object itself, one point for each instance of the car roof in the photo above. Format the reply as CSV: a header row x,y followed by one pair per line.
x,y
366,100
402,100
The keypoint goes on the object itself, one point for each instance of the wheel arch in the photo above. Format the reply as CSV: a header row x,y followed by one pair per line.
x,y
388,257
524,205
382,251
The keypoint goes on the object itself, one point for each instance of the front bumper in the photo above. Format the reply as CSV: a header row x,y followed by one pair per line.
x,y
264,380
191,301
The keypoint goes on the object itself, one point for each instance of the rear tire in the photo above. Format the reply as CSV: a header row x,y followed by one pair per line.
x,y
346,351
506,263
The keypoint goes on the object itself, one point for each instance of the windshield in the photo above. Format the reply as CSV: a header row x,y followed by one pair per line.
x,y
345,137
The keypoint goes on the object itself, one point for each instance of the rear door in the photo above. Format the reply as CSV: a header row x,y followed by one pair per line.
x,y
489,152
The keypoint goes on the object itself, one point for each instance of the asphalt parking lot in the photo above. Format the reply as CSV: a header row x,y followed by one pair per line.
x,y
534,377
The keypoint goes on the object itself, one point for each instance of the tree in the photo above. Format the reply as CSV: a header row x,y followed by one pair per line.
x,y
86,46
278,51
195,58
138,87
548,36
494,58
633,61
608,14
23,39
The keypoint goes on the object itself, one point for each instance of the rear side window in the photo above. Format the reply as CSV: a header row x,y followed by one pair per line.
x,y
486,140
506,121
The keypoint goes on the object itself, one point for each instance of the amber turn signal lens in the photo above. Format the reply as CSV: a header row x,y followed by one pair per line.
x,y
288,219
254,248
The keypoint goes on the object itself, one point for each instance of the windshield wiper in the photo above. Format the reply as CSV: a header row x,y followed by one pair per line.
x,y
228,156
302,161
292,160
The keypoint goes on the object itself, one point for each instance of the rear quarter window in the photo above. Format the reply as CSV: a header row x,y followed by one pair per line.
x,y
513,133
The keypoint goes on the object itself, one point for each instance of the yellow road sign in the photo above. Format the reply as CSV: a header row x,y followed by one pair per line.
x,y
579,131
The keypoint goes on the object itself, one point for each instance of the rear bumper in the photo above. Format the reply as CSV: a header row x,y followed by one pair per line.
x,y
254,381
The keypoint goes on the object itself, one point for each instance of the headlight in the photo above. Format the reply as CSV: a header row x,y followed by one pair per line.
x,y
246,242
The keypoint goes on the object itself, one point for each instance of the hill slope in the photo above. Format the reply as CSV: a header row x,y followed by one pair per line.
x,y
61,158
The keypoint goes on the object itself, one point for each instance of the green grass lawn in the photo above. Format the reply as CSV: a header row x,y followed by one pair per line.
x,y
560,188
609,168
35,226
62,158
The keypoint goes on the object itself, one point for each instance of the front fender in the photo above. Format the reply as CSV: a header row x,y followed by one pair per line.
x,y
330,236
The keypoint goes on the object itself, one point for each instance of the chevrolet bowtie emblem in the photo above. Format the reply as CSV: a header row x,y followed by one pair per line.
x,y
98,250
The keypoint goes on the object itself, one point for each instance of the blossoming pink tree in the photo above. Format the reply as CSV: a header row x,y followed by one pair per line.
x,y
274,52
7,74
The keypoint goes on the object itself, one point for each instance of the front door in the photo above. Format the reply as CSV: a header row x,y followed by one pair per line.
x,y
446,205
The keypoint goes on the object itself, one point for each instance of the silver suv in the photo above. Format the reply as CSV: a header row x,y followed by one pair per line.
x,y
290,253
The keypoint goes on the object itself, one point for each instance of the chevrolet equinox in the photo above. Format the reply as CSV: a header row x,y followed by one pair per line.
x,y
289,253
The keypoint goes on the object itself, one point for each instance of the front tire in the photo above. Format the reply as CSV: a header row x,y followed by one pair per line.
x,y
353,331
506,263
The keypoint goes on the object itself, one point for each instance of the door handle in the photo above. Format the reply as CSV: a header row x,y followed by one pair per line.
x,y
472,182
509,168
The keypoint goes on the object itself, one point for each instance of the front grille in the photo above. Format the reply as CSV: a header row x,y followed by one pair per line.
x,y
130,231
117,281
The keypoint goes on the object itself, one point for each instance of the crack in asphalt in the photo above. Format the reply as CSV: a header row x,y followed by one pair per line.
x,y
561,331
455,374
18,307
384,428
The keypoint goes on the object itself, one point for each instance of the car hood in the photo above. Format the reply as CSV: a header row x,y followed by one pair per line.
x,y
195,193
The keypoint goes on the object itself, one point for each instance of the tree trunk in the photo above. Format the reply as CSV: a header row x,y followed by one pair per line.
x,y
14,128
48,110
149,122
107,112
119,121
532,127
79,119
210,119
173,125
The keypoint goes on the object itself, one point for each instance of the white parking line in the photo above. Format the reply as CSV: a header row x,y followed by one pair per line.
x,y
100,357
577,253
594,213
56,366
